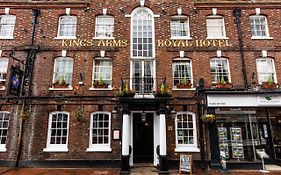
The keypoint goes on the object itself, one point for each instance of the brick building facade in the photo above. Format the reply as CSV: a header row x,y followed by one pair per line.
x,y
122,82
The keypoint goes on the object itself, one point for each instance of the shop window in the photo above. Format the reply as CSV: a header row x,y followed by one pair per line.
x,y
102,73
219,69
215,27
259,26
58,132
182,73
186,134
142,33
104,26
7,25
100,128
4,124
265,70
180,27
67,27
3,71
63,69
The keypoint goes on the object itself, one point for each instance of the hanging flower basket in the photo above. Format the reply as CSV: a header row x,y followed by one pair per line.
x,y
208,118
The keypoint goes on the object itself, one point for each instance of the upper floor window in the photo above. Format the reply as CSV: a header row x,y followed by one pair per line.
x,y
219,69
179,27
63,69
7,25
266,70
4,124
259,27
100,132
182,73
58,132
3,70
215,27
142,28
102,73
67,26
186,132
104,26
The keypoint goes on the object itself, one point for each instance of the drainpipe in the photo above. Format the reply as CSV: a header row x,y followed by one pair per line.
x,y
26,89
237,15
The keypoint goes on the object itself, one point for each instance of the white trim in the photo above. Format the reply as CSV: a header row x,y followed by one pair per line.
x,y
217,37
219,53
96,23
142,3
214,11
55,65
181,54
103,38
102,53
1,52
59,25
183,89
63,53
69,88
228,67
3,148
261,38
179,10
7,11
181,38
264,53
99,147
67,11
273,67
104,11
187,149
65,37
8,37
258,11
267,36
100,89
56,147
191,71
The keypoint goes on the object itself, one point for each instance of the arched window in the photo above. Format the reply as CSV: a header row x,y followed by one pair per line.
x,y
100,128
4,125
58,132
67,26
259,26
104,26
266,70
7,26
215,26
186,132
63,69
219,69
142,28
180,27
3,70
182,73
102,73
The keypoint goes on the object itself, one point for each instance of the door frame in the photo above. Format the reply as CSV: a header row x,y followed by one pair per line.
x,y
156,140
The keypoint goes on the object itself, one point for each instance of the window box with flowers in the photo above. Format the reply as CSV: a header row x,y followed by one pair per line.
x,y
184,84
125,92
269,84
222,84
208,118
60,83
163,91
100,84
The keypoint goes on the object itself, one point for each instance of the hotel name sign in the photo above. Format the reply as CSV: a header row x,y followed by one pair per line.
x,y
160,43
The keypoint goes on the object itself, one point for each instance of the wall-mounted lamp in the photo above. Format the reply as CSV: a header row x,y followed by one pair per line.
x,y
114,113
173,113
143,116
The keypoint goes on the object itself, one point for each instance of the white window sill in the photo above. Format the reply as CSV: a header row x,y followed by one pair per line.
x,y
181,38
187,149
65,37
261,38
97,148
221,37
100,89
55,149
3,148
184,89
61,89
97,38
3,37
144,96
2,88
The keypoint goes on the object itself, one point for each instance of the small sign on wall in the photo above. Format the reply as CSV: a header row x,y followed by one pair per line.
x,y
185,163
116,134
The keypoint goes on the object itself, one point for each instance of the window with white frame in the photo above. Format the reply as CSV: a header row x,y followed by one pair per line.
x,y
104,26
186,132
4,124
259,27
67,26
63,69
179,27
100,128
219,69
182,73
102,73
7,25
3,70
266,70
215,26
58,132
142,33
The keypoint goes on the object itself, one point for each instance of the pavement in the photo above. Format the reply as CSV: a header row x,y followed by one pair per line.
x,y
113,171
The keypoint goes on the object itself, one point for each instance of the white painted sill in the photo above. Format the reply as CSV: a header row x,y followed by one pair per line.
x,y
3,148
211,37
187,149
3,37
181,38
55,149
96,148
103,38
65,37
183,89
261,38
2,88
61,89
100,89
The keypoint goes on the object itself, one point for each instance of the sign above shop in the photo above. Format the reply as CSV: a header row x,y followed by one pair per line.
x,y
269,100
193,43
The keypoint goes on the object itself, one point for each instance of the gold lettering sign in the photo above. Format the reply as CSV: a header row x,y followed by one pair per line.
x,y
92,42
193,43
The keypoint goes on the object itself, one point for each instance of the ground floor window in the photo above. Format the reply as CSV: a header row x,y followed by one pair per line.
x,y
4,124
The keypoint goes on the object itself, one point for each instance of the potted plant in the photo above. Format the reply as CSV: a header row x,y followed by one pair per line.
x,y
184,84
100,83
121,92
269,84
222,84
60,83
79,115
208,118
163,91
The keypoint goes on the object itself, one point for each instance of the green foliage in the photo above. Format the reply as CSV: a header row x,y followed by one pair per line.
x,y
222,81
162,88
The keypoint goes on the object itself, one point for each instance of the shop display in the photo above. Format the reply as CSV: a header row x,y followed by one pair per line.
x,y
236,143
223,145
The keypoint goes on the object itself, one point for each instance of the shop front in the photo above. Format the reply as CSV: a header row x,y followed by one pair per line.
x,y
245,124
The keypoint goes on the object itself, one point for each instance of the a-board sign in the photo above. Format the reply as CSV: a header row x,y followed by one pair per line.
x,y
185,163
